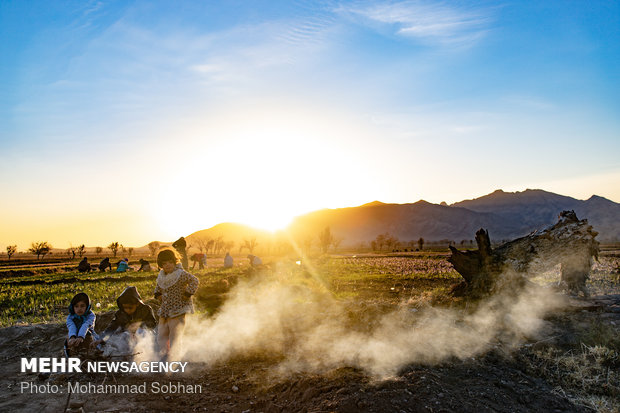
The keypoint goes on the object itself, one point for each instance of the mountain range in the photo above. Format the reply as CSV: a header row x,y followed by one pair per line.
x,y
506,215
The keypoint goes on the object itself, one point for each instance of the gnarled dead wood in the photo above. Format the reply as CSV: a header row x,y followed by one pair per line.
x,y
570,242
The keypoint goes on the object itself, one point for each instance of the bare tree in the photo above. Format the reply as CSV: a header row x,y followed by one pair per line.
x,y
114,247
10,250
130,251
81,250
380,241
202,244
229,245
71,252
98,250
40,248
391,242
326,239
218,244
250,244
421,243
153,247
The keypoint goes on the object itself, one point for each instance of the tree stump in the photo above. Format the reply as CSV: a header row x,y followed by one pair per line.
x,y
570,242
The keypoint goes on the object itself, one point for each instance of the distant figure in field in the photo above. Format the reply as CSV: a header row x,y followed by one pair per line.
x,y
105,264
228,261
254,260
84,266
123,265
144,265
199,258
180,245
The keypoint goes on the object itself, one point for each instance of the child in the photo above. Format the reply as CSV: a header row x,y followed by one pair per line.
x,y
132,313
80,326
128,324
123,265
175,287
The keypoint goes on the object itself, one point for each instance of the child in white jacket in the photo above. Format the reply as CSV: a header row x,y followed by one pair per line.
x,y
175,288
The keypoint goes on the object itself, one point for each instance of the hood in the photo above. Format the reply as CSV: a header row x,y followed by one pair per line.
x,y
130,294
77,298
179,244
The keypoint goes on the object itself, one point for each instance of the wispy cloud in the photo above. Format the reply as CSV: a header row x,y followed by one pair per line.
x,y
430,22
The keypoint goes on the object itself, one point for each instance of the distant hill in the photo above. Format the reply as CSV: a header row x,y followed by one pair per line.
x,y
506,215
533,208
405,221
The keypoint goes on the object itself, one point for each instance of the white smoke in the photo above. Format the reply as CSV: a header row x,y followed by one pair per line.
x,y
311,331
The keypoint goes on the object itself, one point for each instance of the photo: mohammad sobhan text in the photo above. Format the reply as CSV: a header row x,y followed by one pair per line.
x,y
77,387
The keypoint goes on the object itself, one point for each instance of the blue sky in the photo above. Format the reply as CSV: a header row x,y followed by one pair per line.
x,y
144,120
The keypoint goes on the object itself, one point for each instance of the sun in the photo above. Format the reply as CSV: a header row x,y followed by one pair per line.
x,y
262,170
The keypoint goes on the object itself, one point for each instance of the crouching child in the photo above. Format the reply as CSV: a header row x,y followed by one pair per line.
x,y
81,336
133,318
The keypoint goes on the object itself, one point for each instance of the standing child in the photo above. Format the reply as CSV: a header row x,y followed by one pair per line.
x,y
80,325
175,287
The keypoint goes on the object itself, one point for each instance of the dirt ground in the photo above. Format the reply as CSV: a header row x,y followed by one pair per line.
x,y
500,380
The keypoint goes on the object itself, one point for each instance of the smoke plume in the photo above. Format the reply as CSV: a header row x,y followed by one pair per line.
x,y
308,330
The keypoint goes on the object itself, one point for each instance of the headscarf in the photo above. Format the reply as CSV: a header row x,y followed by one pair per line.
x,y
79,319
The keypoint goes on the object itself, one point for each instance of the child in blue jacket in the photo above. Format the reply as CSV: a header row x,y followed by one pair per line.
x,y
81,326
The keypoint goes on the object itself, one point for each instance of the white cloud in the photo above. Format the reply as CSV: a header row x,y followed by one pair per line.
x,y
425,21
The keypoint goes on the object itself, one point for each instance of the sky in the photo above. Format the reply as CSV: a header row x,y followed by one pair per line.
x,y
135,121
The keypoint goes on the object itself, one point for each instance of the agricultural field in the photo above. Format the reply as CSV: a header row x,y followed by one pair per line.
x,y
341,333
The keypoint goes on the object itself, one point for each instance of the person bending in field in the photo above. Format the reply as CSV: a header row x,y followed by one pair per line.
x,y
105,264
254,260
144,265
81,334
84,265
175,288
123,265
201,259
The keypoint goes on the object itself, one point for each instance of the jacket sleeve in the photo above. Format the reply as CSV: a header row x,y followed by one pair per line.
x,y
89,324
192,284
157,291
111,328
72,331
150,320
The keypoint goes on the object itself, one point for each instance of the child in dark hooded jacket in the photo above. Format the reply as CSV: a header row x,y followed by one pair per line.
x,y
132,313
80,325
